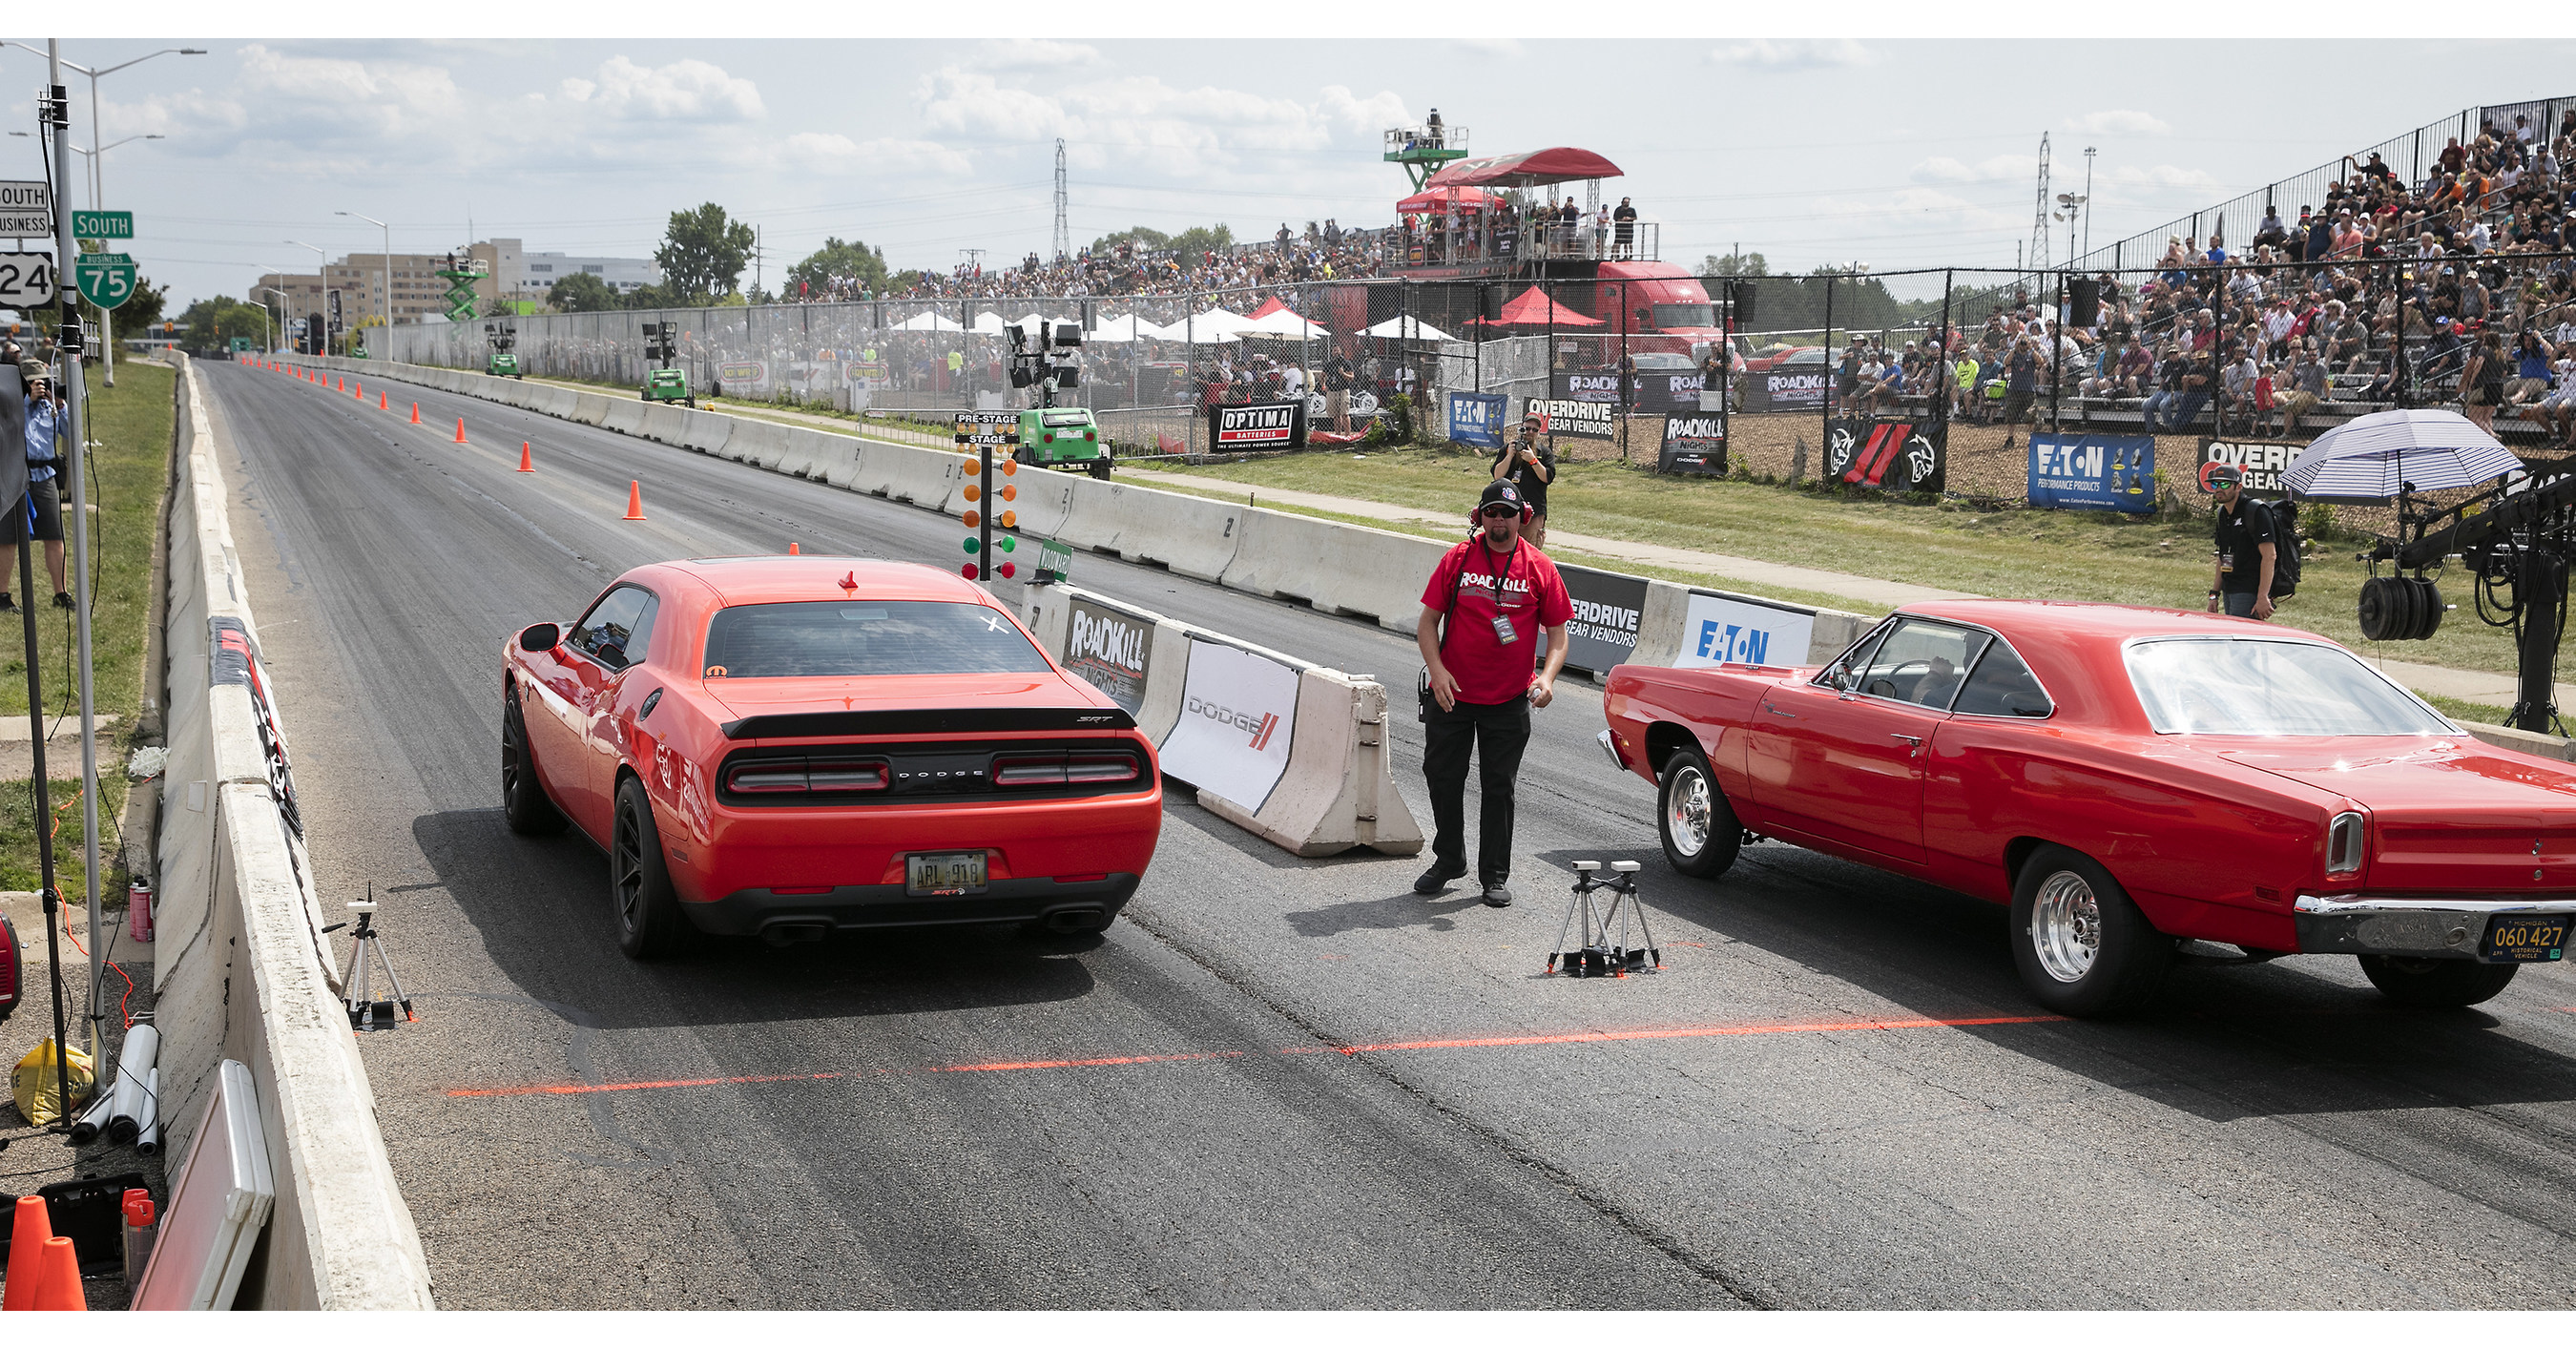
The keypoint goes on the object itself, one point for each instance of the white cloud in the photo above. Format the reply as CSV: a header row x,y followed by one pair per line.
x,y
833,153
1792,53
1488,46
1993,169
2120,122
1184,131
1037,54
685,91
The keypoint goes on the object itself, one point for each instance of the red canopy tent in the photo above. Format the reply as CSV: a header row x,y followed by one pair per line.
x,y
1535,168
1442,198
1532,308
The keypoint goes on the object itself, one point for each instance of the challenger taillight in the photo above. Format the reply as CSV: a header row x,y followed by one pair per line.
x,y
770,777
1056,770
1100,768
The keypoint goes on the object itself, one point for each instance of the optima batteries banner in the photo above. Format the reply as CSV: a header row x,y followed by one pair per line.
x,y
1887,454
1112,650
1477,419
1693,443
1238,714
1257,426
1574,417
1607,608
1722,630
2093,473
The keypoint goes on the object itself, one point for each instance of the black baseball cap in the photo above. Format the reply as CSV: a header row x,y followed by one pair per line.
x,y
1500,491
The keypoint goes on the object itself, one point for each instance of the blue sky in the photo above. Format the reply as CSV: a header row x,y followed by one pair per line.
x,y
1897,153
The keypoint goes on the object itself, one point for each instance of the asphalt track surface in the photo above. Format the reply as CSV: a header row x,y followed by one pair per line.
x,y
1281,1082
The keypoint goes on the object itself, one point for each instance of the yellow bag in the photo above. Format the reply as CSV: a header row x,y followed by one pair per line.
x,y
35,1085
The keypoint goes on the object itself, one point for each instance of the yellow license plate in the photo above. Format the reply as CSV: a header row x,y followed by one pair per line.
x,y
943,873
2512,939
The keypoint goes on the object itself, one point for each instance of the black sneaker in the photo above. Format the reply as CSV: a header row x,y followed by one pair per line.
x,y
8,603
62,599
1497,895
1437,879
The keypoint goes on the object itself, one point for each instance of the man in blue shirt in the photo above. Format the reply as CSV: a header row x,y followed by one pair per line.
x,y
44,497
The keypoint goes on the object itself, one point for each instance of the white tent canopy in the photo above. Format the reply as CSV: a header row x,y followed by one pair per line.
x,y
1216,325
929,322
1123,328
1408,329
1281,323
988,323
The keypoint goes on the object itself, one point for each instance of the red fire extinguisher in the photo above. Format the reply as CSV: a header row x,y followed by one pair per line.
x,y
138,911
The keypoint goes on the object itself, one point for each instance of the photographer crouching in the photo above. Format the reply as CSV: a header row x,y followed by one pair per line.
x,y
1482,613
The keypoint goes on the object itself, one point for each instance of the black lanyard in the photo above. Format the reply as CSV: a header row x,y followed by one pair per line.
x,y
1498,576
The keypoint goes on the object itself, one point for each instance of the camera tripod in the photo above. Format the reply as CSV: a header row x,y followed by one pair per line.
x,y
1596,953
358,981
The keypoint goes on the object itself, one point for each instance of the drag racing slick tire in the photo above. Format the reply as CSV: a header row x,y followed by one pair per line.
x,y
1700,832
2081,945
649,922
523,797
2436,983
1100,468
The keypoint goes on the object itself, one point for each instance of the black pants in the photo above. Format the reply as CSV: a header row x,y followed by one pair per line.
x,y
1498,732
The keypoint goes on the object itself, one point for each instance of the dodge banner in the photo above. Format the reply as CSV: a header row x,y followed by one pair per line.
x,y
1113,650
1256,426
1694,442
1607,608
1888,454
2093,473
1238,715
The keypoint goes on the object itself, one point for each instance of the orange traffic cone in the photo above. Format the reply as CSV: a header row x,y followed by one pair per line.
x,y
383,404
460,430
26,1246
634,501
357,392
792,550
526,465
415,414
340,384
58,1281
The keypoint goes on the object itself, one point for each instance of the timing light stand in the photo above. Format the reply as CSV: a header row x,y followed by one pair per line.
x,y
357,981
1597,953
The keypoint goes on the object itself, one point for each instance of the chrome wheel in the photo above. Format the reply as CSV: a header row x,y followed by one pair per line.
x,y
1686,811
628,881
2066,927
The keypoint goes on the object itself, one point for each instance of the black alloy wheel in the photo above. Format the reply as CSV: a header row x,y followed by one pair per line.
x,y
524,804
649,923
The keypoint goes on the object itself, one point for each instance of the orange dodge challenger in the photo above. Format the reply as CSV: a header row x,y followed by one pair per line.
x,y
783,746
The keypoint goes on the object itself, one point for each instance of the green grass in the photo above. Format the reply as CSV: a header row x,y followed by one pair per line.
x,y
130,467
2081,555
2459,709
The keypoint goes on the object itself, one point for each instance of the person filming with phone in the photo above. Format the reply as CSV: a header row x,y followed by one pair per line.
x,y
1487,608
1529,466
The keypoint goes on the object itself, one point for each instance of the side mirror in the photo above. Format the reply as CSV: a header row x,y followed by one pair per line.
x,y
541,637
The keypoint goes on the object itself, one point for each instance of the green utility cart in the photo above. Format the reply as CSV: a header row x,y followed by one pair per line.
x,y
664,380
504,364
1063,438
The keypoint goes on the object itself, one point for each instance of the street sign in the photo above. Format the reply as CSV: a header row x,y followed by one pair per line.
x,y
105,279
26,280
335,311
102,224
26,209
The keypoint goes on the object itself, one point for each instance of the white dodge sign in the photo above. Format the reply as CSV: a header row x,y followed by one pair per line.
x,y
1238,714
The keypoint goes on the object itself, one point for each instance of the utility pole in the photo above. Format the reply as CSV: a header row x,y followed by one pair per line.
x,y
2088,196
1063,231
755,260
2037,258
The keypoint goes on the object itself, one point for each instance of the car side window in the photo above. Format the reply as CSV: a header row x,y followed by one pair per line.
x,y
2002,686
1922,662
1844,674
618,630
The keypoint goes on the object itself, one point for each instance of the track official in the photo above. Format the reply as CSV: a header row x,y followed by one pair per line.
x,y
2248,547
1483,615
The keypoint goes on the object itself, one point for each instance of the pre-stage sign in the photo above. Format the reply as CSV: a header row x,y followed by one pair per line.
x,y
1238,714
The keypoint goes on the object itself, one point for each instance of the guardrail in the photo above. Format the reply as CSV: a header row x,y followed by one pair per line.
x,y
242,970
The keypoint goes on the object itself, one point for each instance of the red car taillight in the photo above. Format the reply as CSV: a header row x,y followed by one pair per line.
x,y
1026,771
1050,770
798,775
1050,437
1100,768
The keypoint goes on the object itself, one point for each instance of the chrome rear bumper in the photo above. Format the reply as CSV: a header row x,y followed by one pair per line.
x,y
2409,925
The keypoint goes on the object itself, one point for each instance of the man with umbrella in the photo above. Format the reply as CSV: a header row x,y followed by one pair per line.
x,y
2248,547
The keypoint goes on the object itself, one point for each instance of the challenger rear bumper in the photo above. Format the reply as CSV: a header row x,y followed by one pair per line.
x,y
1036,899
2409,925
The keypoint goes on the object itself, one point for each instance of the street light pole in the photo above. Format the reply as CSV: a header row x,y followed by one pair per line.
x,y
389,272
322,273
285,307
2088,196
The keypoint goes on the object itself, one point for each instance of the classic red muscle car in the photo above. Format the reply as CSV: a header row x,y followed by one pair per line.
x,y
783,746
2127,779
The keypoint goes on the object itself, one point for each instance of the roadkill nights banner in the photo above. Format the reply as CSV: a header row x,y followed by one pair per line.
x,y
1693,443
1575,417
1257,426
1887,454
1111,649
1607,608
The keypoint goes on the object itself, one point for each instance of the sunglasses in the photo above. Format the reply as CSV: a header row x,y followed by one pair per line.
x,y
1500,512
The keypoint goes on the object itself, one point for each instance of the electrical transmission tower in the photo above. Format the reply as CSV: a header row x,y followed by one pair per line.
x,y
1063,232
2036,259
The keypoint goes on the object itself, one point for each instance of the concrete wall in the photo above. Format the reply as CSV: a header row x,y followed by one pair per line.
x,y
243,971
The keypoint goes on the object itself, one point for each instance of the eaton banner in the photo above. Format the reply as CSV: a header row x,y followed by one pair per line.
x,y
1477,419
1238,714
2093,473
1725,630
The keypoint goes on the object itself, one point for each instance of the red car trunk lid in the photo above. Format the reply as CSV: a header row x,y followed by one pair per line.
x,y
2446,814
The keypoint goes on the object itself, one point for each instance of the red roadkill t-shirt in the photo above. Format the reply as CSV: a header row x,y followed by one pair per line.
x,y
1521,586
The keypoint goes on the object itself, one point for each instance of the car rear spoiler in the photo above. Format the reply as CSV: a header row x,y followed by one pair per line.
x,y
928,721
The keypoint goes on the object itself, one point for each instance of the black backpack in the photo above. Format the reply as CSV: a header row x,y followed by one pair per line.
x,y
2285,547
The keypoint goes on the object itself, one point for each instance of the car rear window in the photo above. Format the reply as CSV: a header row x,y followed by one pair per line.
x,y
1685,316
865,637
2254,686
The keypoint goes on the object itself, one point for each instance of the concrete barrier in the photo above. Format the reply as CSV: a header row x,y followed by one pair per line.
x,y
623,415
1195,536
1331,791
926,478
819,456
242,970
1337,568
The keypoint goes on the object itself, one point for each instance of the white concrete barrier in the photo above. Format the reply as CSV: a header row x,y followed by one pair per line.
x,y
242,970
1337,568
1195,536
1285,748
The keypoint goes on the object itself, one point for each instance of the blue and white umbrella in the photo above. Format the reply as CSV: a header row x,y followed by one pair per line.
x,y
2420,448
